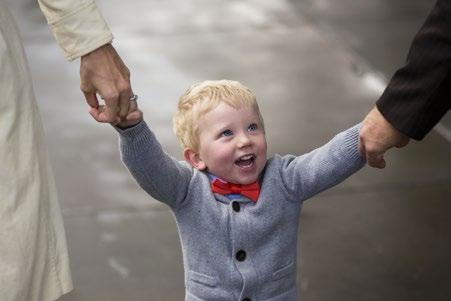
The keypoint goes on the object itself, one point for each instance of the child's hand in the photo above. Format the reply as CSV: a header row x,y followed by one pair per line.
x,y
134,115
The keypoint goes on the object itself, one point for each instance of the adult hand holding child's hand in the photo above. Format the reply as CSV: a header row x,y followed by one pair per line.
x,y
377,136
133,117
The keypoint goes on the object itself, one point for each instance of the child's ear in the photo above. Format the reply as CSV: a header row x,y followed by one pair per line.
x,y
194,159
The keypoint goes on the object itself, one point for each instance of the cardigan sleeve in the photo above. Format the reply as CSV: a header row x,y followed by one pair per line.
x,y
322,168
77,25
160,175
419,94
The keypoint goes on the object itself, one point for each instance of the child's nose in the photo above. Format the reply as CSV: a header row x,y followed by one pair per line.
x,y
244,140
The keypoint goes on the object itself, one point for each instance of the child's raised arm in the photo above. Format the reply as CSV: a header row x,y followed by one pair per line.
x,y
160,175
324,167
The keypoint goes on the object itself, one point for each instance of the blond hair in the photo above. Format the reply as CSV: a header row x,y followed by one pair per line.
x,y
203,97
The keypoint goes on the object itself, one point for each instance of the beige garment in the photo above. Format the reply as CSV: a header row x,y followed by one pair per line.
x,y
34,263
77,25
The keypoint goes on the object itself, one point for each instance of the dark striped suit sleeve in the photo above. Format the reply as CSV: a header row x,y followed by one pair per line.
x,y
419,94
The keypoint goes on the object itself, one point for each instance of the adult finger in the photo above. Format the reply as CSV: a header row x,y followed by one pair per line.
x,y
111,107
94,112
375,159
109,115
133,105
91,99
134,114
124,101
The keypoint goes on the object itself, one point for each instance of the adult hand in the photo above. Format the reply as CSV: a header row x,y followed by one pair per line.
x,y
377,136
134,115
103,72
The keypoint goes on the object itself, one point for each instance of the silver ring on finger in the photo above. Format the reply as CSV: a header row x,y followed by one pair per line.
x,y
134,97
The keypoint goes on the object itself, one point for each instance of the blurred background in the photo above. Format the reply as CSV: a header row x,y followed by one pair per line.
x,y
317,67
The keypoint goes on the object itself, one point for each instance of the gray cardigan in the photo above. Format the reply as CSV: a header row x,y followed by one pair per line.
x,y
237,249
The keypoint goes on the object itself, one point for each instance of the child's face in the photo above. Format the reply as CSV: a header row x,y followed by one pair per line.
x,y
232,144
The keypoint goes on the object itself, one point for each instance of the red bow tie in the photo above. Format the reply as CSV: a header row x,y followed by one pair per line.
x,y
250,191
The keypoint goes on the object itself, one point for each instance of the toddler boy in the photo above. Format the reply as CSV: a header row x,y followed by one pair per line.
x,y
237,212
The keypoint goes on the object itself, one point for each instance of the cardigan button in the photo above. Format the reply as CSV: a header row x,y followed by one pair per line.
x,y
240,255
236,206
246,299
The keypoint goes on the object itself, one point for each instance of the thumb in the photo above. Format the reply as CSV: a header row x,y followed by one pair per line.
x,y
375,159
91,99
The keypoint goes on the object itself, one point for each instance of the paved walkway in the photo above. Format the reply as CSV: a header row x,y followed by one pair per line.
x,y
316,67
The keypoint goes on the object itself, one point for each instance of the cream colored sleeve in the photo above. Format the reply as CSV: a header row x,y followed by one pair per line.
x,y
78,25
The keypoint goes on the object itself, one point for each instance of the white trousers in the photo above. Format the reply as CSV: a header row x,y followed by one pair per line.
x,y
34,264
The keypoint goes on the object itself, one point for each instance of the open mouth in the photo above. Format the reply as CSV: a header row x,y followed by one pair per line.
x,y
246,160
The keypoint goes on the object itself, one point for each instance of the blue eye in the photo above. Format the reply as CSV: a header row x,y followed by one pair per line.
x,y
252,127
227,133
